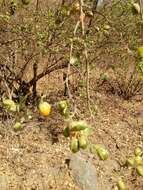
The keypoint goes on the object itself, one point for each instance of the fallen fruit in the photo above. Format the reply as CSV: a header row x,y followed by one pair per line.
x,y
44,108
101,151
17,126
139,170
78,125
74,145
82,142
121,185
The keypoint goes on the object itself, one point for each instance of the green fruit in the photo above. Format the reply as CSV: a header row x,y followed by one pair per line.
x,y
101,151
63,107
78,125
139,170
17,126
82,142
10,105
136,8
130,162
66,132
121,185
140,51
86,132
138,151
138,160
25,2
74,145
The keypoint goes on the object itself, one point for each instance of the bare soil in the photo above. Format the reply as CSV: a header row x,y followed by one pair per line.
x,y
34,158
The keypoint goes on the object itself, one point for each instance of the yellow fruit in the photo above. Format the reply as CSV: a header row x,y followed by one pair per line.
x,y
139,170
138,160
44,108
138,151
121,185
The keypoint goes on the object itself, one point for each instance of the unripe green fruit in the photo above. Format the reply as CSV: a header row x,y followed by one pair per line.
x,y
101,151
66,132
78,125
17,126
74,145
82,142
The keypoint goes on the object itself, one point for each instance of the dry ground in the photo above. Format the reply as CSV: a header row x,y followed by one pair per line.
x,y
34,158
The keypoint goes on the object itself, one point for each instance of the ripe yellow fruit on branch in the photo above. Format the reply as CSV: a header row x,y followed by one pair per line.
x,y
44,108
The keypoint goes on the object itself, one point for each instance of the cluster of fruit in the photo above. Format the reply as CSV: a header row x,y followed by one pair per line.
x,y
78,132
136,161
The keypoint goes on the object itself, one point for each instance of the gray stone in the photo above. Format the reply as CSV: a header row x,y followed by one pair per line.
x,y
83,172
4,182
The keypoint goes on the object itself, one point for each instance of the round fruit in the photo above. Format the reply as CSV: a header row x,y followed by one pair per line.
x,y
74,145
25,2
44,108
17,126
82,142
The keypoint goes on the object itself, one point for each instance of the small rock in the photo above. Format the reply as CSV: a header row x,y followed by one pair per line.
x,y
4,182
84,172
